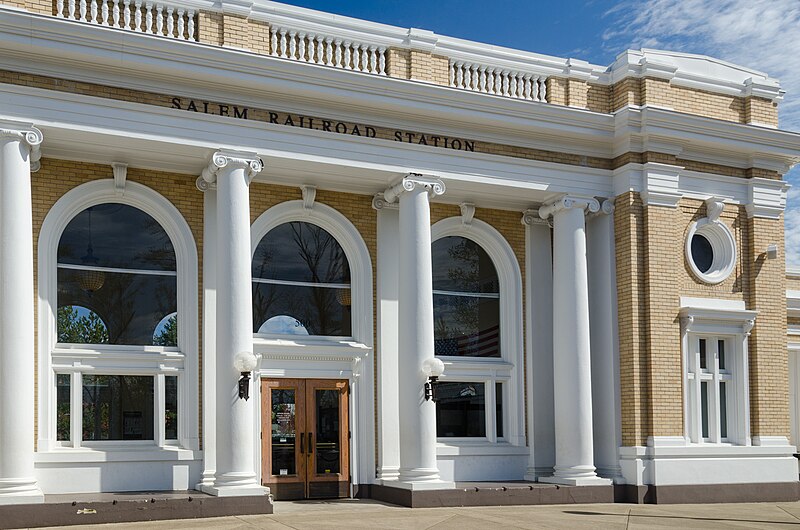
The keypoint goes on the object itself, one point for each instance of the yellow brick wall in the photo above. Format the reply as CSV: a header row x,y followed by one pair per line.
x,y
43,7
761,111
429,68
209,28
598,98
235,31
768,350
57,177
22,4
577,93
557,90
629,235
258,37
398,63
626,92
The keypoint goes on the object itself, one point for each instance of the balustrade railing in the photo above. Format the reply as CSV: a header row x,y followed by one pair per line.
x,y
498,81
147,17
327,50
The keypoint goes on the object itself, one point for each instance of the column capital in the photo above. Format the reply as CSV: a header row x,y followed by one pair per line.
x,y
27,133
606,208
250,162
380,203
568,202
530,217
410,182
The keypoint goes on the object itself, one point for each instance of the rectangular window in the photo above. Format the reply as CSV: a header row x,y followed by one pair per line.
x,y
461,410
703,363
63,407
498,397
721,351
704,408
171,407
118,407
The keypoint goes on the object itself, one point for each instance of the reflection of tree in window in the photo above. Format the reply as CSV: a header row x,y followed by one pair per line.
x,y
466,299
135,261
117,407
299,274
80,325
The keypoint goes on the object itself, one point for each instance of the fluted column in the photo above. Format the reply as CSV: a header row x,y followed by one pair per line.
x,y
19,155
572,375
235,418
418,467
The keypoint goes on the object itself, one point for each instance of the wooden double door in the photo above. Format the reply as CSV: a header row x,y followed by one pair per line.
x,y
305,438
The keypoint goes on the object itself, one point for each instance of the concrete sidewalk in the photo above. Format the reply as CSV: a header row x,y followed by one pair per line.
x,y
354,513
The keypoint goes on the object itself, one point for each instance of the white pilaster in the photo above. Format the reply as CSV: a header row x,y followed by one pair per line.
x,y
235,472
418,467
388,338
19,154
539,345
604,341
571,355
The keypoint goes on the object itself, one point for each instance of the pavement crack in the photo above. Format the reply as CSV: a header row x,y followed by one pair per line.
x,y
787,511
628,519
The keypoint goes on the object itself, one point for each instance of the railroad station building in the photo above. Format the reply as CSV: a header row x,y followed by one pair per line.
x,y
253,249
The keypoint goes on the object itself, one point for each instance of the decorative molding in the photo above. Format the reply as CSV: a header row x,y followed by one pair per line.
x,y
467,213
409,183
706,320
379,203
230,160
530,217
120,175
27,133
589,204
714,208
309,194
766,198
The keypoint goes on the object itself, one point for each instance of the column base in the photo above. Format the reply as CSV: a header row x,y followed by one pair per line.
x,y
422,485
20,491
577,481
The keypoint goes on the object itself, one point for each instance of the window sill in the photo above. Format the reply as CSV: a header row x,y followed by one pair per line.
x,y
479,448
117,454
309,346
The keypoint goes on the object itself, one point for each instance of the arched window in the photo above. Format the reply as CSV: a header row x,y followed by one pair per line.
x,y
301,283
117,265
466,299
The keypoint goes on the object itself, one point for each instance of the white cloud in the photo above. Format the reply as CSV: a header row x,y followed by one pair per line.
x,y
759,34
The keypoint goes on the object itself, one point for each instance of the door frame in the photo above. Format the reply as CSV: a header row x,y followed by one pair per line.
x,y
343,362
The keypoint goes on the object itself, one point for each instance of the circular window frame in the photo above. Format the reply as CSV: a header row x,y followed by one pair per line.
x,y
723,247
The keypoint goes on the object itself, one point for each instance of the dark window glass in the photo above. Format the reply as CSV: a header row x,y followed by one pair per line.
x,y
328,435
704,408
284,434
117,279
703,363
702,253
171,407
118,236
301,283
721,348
466,301
460,410
723,410
498,391
63,407
117,407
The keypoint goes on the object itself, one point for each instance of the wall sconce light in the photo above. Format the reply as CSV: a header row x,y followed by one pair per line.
x,y
244,362
772,252
433,368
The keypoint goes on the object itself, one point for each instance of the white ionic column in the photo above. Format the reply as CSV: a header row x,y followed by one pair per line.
x,y
388,338
539,345
235,464
418,467
19,155
604,341
572,373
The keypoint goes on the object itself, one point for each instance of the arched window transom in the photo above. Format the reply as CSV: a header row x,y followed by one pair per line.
x,y
466,299
301,283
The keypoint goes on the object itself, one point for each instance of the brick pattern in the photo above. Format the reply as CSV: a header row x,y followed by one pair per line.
x,y
429,68
760,111
43,7
57,177
398,63
235,31
258,37
557,91
626,92
577,93
21,4
768,349
209,28
631,304
692,165
598,98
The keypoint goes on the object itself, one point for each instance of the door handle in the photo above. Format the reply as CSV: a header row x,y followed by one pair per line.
x,y
310,442
302,449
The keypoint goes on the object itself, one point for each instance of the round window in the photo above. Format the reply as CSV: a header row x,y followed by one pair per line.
x,y
710,251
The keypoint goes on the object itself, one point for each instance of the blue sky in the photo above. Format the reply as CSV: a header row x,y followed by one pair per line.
x,y
760,34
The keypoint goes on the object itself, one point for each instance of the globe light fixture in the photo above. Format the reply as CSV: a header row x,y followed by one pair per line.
x,y
433,368
244,362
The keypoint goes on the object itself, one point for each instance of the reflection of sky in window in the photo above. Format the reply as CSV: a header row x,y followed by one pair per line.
x,y
460,264
122,237
283,325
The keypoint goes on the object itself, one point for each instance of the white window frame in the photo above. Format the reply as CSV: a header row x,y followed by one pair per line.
x,y
716,320
508,368
108,359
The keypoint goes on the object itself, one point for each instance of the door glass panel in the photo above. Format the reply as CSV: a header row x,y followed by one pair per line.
x,y
283,432
328,435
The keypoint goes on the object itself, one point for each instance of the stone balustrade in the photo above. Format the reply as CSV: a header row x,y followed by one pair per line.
x,y
157,18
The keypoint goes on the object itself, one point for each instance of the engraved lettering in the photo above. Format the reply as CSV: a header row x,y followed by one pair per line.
x,y
341,128
469,145
289,120
398,136
239,113
192,106
223,110
369,131
355,131
273,118
326,125
176,103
